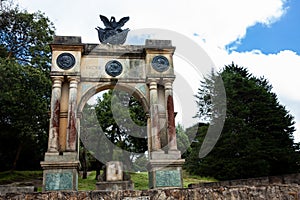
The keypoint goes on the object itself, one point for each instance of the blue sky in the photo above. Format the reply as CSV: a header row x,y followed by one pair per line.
x,y
269,39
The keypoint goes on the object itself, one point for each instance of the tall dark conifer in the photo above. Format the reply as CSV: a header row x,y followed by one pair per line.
x,y
257,138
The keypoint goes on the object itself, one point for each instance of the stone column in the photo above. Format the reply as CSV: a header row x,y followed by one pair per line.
x,y
55,112
154,116
72,114
149,134
78,133
171,131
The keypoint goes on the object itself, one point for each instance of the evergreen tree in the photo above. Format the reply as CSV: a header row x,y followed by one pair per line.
x,y
257,137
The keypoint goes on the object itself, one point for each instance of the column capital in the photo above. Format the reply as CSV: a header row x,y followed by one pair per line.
x,y
57,81
168,82
57,78
153,86
73,78
73,81
168,85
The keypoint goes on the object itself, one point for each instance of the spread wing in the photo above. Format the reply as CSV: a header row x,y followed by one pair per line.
x,y
122,21
105,21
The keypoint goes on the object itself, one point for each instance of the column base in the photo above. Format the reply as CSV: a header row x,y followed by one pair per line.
x,y
60,172
161,155
165,173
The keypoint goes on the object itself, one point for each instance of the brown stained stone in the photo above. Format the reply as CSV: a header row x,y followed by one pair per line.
x,y
55,124
72,129
171,119
55,118
155,125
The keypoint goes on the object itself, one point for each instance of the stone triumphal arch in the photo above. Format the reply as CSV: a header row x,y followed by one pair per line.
x,y
79,71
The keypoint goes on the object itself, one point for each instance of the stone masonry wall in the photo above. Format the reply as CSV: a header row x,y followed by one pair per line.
x,y
268,180
273,187
274,192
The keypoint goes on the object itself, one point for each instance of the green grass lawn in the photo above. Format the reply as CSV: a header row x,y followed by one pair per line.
x,y
9,177
189,179
140,180
89,183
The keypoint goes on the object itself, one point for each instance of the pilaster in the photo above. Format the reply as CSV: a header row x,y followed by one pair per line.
x,y
169,104
154,116
72,135
55,113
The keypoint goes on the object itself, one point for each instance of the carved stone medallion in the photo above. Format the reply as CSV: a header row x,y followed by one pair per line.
x,y
113,68
160,63
65,61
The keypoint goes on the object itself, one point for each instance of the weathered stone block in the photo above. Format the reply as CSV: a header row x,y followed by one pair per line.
x,y
114,171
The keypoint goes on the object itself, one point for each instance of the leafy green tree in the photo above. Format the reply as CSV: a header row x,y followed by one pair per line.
x,y
92,145
115,129
257,138
140,164
125,130
24,104
25,87
25,37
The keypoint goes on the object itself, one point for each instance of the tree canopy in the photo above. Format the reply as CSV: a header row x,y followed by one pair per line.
x,y
257,137
115,128
25,87
25,37
124,129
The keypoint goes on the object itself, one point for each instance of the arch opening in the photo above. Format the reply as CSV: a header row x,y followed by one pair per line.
x,y
113,127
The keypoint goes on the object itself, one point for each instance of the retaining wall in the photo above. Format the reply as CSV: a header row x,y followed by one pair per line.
x,y
274,192
268,180
273,187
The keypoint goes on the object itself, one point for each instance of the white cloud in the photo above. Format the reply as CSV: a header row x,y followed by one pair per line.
x,y
281,69
218,21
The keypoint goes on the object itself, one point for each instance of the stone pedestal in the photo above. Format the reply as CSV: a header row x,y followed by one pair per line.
x,y
165,173
60,171
114,171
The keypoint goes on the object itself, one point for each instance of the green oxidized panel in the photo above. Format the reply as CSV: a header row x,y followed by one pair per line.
x,y
168,178
150,177
59,181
